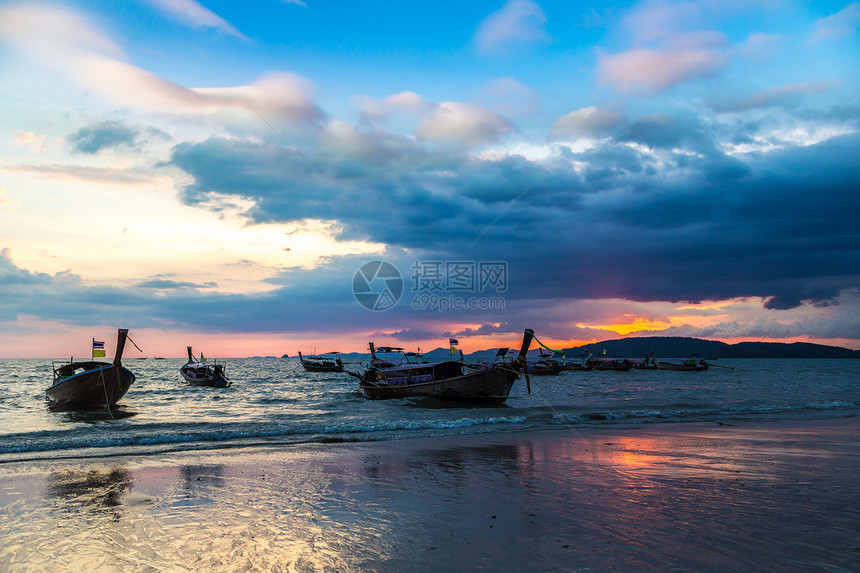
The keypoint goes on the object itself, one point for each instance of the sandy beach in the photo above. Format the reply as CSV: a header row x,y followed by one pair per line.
x,y
684,497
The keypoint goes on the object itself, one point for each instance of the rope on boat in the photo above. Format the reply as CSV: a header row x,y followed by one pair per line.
x,y
132,341
104,385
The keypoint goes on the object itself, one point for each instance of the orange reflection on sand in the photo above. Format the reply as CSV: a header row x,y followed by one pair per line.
x,y
639,457
626,452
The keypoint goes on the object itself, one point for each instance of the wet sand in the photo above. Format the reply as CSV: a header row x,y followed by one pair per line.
x,y
684,497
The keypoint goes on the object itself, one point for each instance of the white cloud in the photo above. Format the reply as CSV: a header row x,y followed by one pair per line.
x,y
52,32
193,13
31,140
372,147
463,123
68,42
451,122
669,47
279,92
407,102
658,20
648,71
839,25
587,121
517,22
779,94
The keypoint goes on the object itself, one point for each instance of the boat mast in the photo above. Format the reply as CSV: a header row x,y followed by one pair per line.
x,y
121,335
528,335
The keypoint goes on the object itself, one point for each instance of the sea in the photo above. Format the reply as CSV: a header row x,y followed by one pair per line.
x,y
274,401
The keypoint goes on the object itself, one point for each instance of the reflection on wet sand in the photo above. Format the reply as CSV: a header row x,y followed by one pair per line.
x,y
210,475
97,490
712,499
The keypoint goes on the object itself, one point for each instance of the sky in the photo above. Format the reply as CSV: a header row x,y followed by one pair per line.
x,y
270,176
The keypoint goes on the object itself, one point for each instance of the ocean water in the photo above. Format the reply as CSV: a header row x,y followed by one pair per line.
x,y
274,401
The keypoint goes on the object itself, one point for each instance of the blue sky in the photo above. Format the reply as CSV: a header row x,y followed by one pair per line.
x,y
215,173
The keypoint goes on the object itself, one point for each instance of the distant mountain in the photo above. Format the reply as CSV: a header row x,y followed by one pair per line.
x,y
681,347
785,350
662,347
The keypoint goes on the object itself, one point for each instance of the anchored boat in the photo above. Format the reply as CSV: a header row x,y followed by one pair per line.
x,y
448,380
203,372
91,384
327,362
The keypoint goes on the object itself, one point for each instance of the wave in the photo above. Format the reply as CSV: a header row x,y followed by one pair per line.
x,y
130,438
167,434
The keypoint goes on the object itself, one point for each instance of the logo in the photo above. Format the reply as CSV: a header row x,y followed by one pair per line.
x,y
377,285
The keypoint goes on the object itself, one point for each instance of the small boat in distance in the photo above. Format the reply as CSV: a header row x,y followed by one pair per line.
x,y
326,362
622,364
571,364
545,366
204,373
540,367
691,364
645,363
91,384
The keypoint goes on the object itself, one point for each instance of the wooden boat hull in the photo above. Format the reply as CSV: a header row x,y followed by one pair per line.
x,y
616,365
681,367
323,365
215,382
204,373
544,370
195,378
490,386
101,386
318,368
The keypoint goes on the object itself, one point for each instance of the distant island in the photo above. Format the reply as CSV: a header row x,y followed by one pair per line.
x,y
677,347
674,347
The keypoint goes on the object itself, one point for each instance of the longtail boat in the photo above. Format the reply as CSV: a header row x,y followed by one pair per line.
x,y
203,372
448,380
620,364
691,364
91,384
327,362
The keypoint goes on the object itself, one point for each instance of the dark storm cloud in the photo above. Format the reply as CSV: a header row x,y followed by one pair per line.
x,y
321,301
408,334
488,329
682,222
671,218
660,130
60,296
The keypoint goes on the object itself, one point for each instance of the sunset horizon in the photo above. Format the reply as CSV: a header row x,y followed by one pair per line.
x,y
256,181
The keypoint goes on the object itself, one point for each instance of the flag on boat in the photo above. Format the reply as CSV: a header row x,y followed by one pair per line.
x,y
453,343
98,348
